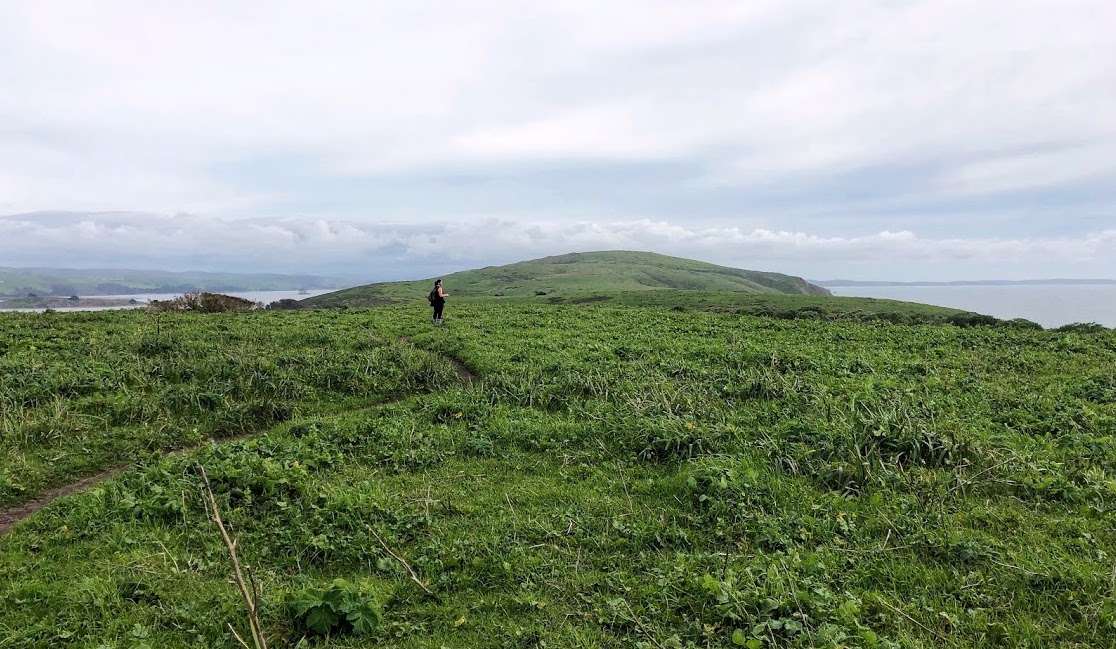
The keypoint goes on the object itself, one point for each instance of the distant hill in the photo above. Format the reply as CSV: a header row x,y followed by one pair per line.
x,y
578,273
64,282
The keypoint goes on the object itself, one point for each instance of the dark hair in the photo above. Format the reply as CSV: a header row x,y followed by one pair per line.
x,y
437,282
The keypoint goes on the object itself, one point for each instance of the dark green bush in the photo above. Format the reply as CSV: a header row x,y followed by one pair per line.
x,y
203,303
973,320
1082,328
285,305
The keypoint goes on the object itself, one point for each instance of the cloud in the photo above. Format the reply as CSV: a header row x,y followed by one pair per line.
x,y
961,121
384,251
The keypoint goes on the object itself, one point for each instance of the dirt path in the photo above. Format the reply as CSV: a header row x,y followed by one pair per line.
x,y
11,516
464,374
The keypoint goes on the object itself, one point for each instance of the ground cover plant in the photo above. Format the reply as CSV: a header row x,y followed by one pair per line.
x,y
85,392
615,476
773,305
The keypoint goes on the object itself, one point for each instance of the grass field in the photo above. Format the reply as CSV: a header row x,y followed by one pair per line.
x,y
83,392
680,475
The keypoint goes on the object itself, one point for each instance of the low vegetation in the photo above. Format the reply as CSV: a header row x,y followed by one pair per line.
x,y
683,475
83,392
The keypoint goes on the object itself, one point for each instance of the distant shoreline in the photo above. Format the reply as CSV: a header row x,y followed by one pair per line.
x,y
52,302
135,300
161,290
840,283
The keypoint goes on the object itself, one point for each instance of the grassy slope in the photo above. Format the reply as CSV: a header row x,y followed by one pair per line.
x,y
767,304
68,281
577,273
68,411
619,476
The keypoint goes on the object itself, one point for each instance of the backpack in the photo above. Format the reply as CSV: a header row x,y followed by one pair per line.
x,y
433,297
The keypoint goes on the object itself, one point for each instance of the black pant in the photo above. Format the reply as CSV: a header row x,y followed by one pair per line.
x,y
438,306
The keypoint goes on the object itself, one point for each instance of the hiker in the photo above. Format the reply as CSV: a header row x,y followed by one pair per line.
x,y
438,301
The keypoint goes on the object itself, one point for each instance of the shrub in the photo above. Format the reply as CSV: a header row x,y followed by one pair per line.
x,y
973,320
1082,328
1023,323
203,303
286,304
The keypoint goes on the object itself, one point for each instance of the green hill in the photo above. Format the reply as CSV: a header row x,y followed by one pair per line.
x,y
578,273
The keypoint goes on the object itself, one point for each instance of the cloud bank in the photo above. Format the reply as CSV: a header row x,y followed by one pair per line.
x,y
381,251
792,132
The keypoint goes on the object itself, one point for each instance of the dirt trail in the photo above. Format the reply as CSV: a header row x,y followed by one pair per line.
x,y
464,374
11,516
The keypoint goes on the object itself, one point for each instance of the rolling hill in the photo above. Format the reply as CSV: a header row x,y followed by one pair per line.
x,y
578,273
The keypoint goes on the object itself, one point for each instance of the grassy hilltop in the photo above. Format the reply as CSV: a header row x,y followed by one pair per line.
x,y
578,273
641,279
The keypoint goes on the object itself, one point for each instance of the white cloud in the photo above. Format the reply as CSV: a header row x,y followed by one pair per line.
x,y
120,105
375,250
1027,170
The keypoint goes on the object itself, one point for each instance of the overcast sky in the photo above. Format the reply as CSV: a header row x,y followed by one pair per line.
x,y
889,139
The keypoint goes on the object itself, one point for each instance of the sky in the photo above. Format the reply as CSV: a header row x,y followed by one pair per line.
x,y
885,139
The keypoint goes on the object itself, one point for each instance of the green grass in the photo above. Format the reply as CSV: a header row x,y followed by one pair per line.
x,y
84,392
775,305
620,476
596,272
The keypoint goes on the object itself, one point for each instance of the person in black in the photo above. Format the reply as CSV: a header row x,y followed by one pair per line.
x,y
438,301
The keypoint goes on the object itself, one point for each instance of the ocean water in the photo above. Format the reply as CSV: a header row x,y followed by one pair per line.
x,y
1050,306
255,296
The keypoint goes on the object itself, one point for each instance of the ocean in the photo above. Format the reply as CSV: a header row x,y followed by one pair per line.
x,y
1048,305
